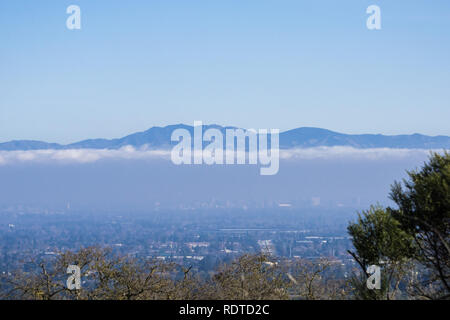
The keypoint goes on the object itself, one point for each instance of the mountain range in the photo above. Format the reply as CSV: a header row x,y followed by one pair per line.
x,y
304,137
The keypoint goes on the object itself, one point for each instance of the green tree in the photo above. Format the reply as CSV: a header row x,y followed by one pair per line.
x,y
424,213
379,240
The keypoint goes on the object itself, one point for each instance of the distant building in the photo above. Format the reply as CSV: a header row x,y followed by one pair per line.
x,y
315,201
285,205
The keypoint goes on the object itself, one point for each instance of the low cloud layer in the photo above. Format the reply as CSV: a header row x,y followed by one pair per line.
x,y
352,153
130,153
79,155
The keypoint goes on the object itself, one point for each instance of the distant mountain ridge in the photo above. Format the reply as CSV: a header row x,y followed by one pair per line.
x,y
303,137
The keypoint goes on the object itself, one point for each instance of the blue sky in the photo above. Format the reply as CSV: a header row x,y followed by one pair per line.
x,y
250,63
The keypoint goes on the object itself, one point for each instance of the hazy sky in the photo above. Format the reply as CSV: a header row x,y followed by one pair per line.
x,y
250,63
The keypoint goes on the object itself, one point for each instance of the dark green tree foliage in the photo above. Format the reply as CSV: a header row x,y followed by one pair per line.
x,y
424,212
410,242
379,240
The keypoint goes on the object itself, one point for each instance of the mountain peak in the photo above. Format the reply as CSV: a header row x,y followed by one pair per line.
x,y
304,137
